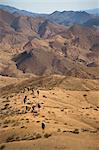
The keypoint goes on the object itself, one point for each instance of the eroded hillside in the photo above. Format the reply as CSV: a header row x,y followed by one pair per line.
x,y
40,47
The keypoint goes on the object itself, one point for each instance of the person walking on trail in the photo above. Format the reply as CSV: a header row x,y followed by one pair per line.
x,y
38,105
28,89
26,108
38,92
24,100
43,126
32,91
33,108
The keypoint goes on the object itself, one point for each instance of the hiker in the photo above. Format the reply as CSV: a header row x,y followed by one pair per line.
x,y
28,88
33,108
43,125
38,92
25,98
23,90
38,105
32,91
26,108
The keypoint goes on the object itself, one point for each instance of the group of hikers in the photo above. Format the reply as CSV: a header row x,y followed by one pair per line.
x,y
25,100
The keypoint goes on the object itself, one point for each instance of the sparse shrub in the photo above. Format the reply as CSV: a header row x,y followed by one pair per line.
x,y
28,102
22,126
91,107
47,135
2,147
97,106
56,122
35,111
27,121
4,97
6,121
5,126
96,109
85,95
87,107
62,109
11,138
17,138
84,130
76,131
64,131
47,122
23,112
98,129
3,108
43,116
34,97
38,136
44,96
16,124
59,130
87,114
93,131
36,114
37,121
65,123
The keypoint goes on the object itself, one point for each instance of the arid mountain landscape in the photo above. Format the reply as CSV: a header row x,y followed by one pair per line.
x,y
49,71
41,46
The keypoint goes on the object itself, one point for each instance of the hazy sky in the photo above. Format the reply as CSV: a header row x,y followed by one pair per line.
x,y
46,6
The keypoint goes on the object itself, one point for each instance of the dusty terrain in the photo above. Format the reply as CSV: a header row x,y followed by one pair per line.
x,y
70,111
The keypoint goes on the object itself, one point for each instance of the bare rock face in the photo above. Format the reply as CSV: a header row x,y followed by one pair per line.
x,y
47,29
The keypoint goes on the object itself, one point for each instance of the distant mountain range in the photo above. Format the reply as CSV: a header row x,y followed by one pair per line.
x,y
93,11
70,17
24,12
64,17
16,11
